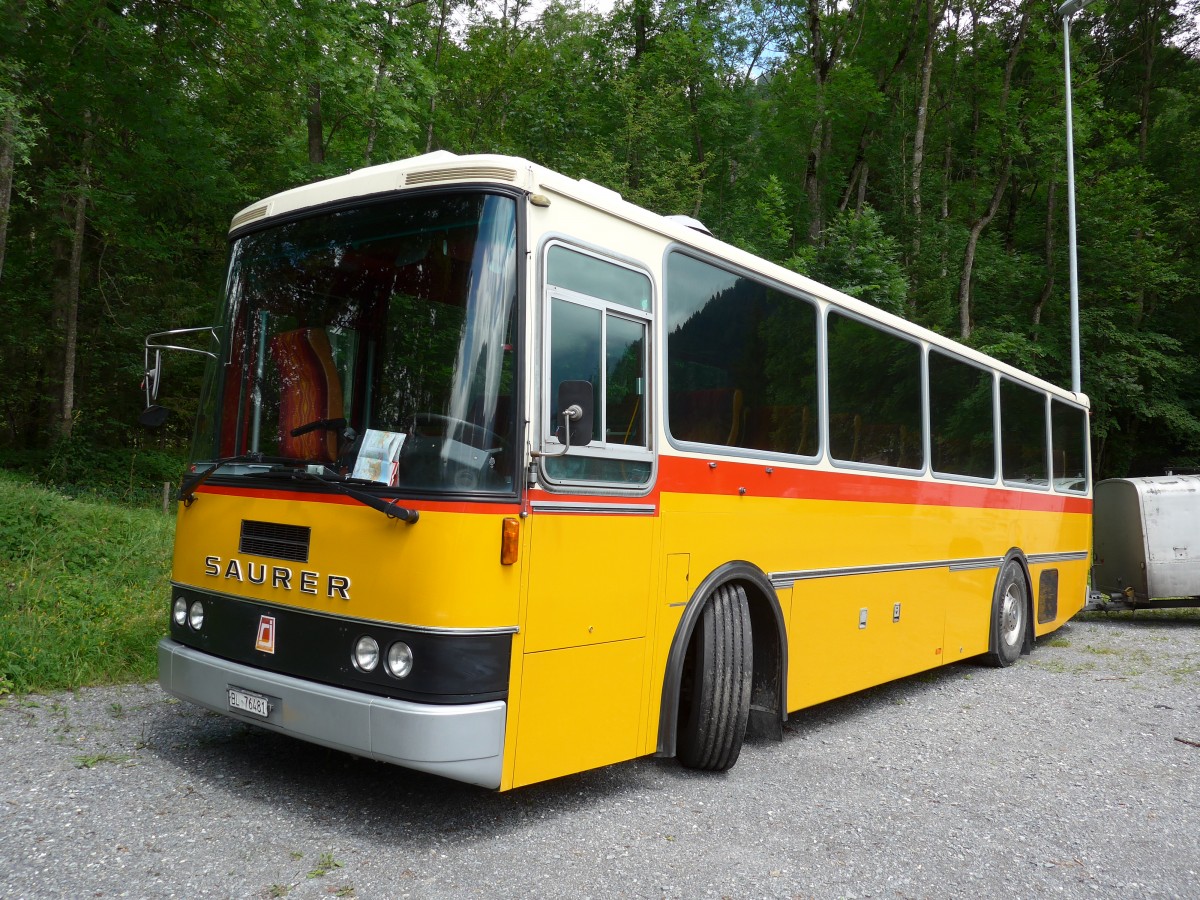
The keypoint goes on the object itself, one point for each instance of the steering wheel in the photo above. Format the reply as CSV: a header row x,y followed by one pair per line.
x,y
435,425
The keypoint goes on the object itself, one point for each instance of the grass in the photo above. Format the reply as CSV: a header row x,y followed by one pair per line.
x,y
93,760
83,588
325,865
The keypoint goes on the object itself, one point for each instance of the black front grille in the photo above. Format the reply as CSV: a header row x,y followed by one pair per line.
x,y
275,541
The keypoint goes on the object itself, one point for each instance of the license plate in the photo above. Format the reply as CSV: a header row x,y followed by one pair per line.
x,y
244,701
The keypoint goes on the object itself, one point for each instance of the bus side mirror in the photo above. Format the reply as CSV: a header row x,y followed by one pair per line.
x,y
153,416
152,377
576,406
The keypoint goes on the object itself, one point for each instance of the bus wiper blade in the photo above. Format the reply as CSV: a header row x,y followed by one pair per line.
x,y
327,424
187,490
288,469
392,510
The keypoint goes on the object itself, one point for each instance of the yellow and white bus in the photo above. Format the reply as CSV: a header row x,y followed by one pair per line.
x,y
500,477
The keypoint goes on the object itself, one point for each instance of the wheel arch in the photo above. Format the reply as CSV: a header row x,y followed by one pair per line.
x,y
768,696
1017,555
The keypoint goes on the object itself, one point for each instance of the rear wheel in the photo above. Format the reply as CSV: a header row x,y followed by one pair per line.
x,y
715,693
1010,615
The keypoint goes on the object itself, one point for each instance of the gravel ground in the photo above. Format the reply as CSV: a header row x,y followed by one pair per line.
x,y
1075,773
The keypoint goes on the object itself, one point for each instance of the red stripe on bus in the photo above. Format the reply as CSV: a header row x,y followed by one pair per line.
x,y
700,476
499,509
683,475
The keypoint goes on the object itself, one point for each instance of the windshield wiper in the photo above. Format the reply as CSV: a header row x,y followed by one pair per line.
x,y
187,490
392,509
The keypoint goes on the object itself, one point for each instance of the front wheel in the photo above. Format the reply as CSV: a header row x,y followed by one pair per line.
x,y
1010,615
715,701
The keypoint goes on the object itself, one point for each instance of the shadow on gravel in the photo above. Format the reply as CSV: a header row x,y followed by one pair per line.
x,y
909,690
231,764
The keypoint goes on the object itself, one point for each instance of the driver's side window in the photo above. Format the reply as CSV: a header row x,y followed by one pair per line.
x,y
599,315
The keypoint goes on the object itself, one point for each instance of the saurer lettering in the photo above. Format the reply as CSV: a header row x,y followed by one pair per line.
x,y
279,578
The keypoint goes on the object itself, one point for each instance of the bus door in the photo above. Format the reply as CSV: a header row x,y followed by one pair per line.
x,y
592,524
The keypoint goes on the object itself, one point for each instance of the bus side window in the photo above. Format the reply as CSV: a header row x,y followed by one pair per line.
x,y
599,315
962,429
1024,446
741,361
875,395
1069,438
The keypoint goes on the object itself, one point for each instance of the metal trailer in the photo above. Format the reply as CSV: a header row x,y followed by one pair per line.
x,y
1147,543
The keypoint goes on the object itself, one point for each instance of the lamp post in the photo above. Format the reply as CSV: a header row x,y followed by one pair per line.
x,y
1065,12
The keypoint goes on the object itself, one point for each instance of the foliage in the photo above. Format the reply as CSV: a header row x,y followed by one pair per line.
x,y
792,130
83,588
858,257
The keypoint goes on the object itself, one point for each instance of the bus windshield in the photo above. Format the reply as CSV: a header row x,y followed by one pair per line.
x,y
375,342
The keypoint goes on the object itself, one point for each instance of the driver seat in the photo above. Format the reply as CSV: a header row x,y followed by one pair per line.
x,y
309,390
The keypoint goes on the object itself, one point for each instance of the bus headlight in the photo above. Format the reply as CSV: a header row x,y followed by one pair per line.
x,y
179,612
196,615
399,659
366,654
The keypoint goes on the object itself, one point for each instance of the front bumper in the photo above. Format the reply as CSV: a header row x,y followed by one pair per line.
x,y
462,742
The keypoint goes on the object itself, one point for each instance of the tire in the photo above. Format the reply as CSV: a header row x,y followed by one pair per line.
x,y
1010,616
715,692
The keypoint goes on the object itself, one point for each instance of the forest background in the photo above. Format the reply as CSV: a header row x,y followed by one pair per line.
x,y
909,152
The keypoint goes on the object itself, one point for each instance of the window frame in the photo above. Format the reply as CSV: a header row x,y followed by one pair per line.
x,y
993,378
598,447
1087,448
818,308
923,396
1046,434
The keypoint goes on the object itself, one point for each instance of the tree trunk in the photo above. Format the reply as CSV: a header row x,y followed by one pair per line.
x,y
932,19
812,180
376,89
443,12
964,284
641,27
71,299
8,141
1148,26
824,52
316,129
1048,287
857,169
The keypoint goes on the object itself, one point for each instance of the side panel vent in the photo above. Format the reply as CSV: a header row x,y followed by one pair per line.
x,y
276,541
1048,596
459,174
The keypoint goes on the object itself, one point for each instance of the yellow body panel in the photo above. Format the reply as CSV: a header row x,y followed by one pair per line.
x,y
581,707
441,572
591,581
944,614
598,599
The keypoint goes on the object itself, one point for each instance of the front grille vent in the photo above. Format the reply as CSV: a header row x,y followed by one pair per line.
x,y
275,541
460,174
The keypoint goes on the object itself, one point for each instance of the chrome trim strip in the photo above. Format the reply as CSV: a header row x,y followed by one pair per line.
x,y
612,509
463,742
1037,559
424,629
787,579
970,565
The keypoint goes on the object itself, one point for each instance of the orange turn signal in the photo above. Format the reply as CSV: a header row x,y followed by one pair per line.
x,y
510,541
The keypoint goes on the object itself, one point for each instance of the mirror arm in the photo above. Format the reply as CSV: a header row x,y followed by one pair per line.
x,y
572,413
